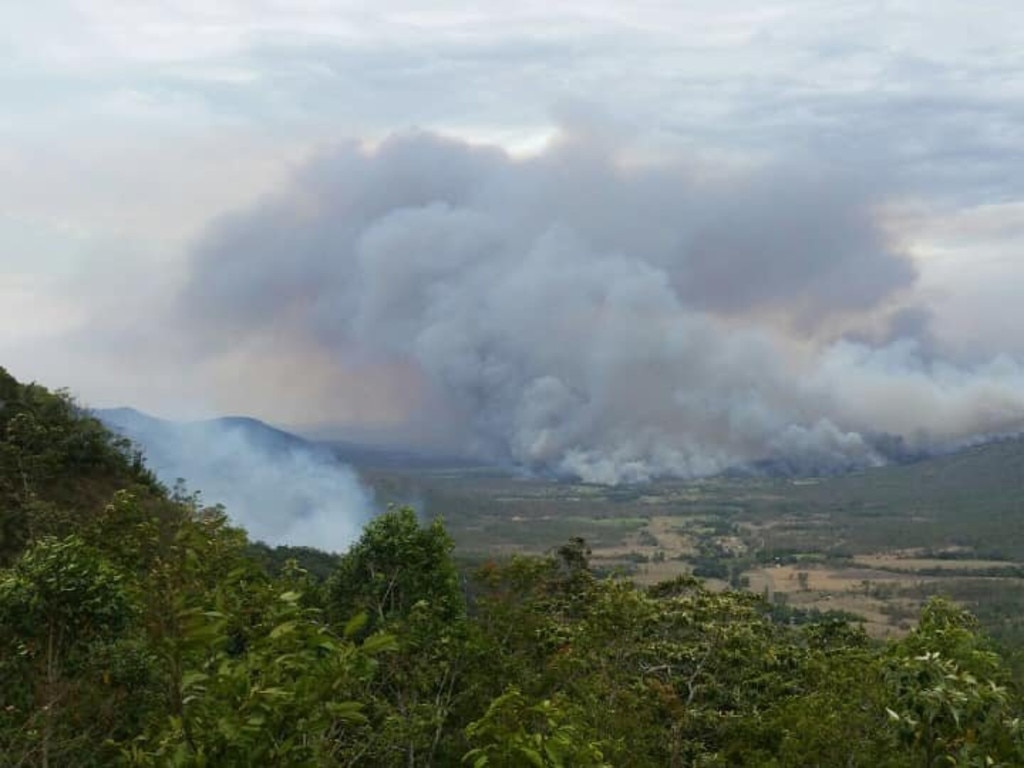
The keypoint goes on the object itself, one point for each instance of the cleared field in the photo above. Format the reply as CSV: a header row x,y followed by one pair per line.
x,y
899,562
653,552
876,543
865,592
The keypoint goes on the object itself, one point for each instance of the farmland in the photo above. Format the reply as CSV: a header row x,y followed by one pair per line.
x,y
875,544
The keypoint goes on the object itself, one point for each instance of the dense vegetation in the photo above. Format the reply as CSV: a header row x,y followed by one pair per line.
x,y
138,627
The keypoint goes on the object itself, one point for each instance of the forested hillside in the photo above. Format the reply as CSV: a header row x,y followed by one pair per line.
x,y
138,627
59,468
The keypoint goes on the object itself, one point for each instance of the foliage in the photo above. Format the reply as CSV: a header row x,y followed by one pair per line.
x,y
395,566
401,576
58,600
515,733
57,465
141,628
320,565
950,701
285,701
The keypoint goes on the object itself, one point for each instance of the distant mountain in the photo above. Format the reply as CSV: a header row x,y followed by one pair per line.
x,y
156,435
990,473
382,457
281,488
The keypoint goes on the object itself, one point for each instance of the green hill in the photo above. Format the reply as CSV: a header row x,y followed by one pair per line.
x,y
971,498
58,465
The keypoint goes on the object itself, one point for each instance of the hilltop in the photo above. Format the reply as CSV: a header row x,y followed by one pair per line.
x,y
58,465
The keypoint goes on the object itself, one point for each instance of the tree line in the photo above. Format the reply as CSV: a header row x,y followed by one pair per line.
x,y
139,627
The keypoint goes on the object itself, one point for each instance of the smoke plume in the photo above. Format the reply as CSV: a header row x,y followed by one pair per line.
x,y
280,488
595,312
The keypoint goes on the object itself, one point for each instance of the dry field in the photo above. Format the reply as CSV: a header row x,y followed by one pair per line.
x,y
661,542
873,586
908,562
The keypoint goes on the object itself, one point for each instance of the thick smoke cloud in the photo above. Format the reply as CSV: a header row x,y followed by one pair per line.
x,y
281,489
593,312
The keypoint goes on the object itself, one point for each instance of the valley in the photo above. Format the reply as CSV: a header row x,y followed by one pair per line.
x,y
874,544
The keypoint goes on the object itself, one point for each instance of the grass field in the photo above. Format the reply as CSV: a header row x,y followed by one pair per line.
x,y
875,543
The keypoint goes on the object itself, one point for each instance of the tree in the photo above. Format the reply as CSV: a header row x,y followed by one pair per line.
x,y
949,694
402,577
291,699
394,566
513,733
58,465
59,598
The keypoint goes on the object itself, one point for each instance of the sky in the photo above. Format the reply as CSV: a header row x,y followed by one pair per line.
x,y
381,217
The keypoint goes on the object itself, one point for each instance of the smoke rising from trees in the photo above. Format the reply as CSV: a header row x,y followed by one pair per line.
x,y
282,489
594,311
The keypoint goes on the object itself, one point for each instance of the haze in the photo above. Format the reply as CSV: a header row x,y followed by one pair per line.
x,y
609,242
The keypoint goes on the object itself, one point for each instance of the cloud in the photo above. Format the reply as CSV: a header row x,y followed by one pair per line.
x,y
755,222
585,312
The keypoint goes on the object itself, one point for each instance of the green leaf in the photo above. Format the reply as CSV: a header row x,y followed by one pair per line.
x,y
275,692
533,756
380,643
355,624
350,711
282,629
193,678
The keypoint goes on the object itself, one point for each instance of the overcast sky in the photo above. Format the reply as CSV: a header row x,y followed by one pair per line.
x,y
130,130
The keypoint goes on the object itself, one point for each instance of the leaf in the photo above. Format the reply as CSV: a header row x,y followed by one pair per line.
x,y
350,711
275,692
355,624
290,597
379,643
326,644
554,754
193,679
282,629
533,756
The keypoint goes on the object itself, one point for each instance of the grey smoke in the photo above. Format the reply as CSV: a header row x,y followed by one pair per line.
x,y
278,487
594,312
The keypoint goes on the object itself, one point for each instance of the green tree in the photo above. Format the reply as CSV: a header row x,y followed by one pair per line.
x,y
287,700
402,577
60,598
514,733
950,699
58,465
395,565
